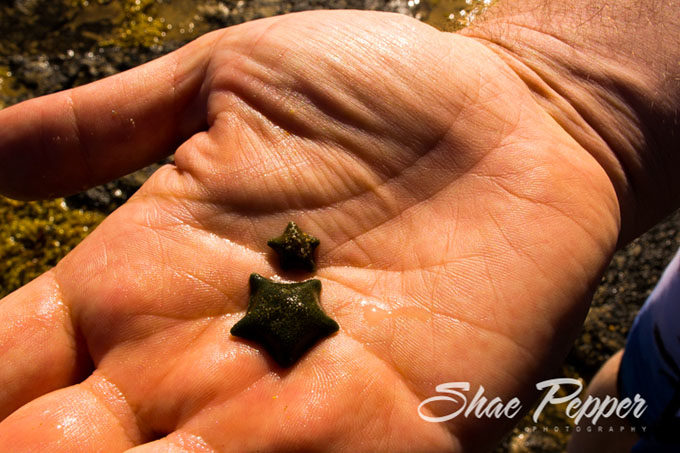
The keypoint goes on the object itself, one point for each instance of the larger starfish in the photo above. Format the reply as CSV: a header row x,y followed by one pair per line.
x,y
285,318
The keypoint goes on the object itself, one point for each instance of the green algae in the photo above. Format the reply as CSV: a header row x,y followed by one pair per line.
x,y
34,236
7,85
143,23
138,25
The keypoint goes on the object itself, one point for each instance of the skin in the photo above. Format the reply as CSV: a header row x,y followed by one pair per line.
x,y
462,231
602,385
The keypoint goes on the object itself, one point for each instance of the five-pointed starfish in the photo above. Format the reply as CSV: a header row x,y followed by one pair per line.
x,y
295,248
285,318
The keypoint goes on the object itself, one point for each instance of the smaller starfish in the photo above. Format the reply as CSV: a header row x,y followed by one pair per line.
x,y
295,248
285,318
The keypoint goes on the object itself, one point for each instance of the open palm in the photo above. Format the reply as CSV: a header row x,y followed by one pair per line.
x,y
461,232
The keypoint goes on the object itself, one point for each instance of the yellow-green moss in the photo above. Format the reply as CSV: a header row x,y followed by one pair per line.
x,y
453,15
7,85
34,236
139,26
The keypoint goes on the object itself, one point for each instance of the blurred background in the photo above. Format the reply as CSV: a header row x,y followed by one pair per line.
x,y
50,45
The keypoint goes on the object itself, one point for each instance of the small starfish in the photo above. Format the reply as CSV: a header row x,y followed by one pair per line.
x,y
295,248
285,318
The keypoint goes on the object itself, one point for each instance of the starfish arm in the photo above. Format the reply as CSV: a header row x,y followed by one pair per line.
x,y
245,328
255,281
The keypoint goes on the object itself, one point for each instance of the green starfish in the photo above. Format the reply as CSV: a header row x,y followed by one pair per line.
x,y
295,248
285,318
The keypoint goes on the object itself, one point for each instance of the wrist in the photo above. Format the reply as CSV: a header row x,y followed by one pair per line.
x,y
618,105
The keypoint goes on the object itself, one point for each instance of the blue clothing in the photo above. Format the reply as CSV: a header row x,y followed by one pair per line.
x,y
651,365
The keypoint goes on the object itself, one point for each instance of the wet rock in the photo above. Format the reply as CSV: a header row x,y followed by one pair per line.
x,y
214,12
107,197
37,73
26,7
225,13
535,442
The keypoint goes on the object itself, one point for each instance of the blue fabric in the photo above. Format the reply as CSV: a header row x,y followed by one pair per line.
x,y
651,365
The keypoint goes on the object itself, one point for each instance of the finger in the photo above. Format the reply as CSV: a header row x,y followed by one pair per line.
x,y
92,416
39,349
65,142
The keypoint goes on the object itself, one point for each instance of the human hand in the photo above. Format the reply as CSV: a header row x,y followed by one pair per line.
x,y
461,230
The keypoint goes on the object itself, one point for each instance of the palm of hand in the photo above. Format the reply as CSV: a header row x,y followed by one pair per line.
x,y
461,229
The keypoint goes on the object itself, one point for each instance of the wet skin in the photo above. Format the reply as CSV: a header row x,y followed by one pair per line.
x,y
442,193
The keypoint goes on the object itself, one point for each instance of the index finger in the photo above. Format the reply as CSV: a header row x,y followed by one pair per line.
x,y
65,142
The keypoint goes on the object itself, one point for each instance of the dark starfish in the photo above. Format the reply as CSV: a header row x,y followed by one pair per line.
x,y
285,318
295,248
